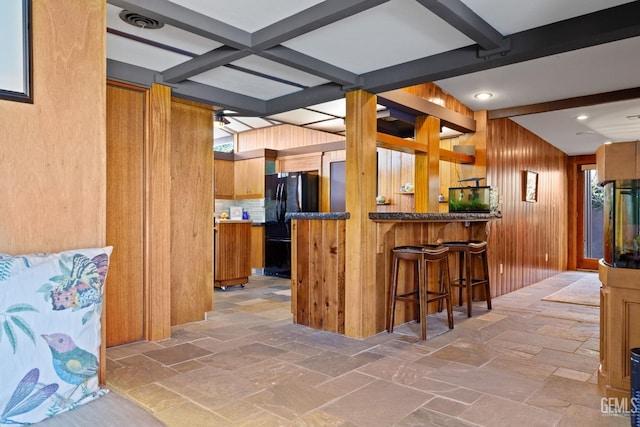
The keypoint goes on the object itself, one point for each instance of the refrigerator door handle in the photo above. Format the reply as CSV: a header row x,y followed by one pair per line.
x,y
278,201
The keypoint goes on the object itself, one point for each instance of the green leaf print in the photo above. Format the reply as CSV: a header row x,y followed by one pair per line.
x,y
8,329
24,326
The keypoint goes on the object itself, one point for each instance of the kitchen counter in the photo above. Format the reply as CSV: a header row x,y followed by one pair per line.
x,y
232,252
319,262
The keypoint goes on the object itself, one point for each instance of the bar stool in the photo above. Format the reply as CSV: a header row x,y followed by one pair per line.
x,y
421,257
470,252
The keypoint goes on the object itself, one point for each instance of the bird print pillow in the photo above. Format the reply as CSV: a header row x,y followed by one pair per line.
x,y
50,308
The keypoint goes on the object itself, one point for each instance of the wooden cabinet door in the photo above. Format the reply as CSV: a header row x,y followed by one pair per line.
x,y
223,180
249,178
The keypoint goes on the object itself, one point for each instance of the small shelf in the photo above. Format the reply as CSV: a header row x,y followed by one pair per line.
x,y
385,203
405,192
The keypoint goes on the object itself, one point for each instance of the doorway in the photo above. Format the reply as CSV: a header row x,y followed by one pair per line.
x,y
590,218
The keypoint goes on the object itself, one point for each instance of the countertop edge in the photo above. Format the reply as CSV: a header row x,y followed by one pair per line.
x,y
317,215
449,217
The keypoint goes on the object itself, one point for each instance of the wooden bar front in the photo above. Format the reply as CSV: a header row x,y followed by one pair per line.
x,y
318,261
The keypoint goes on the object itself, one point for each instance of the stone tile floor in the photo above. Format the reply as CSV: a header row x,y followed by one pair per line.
x,y
527,362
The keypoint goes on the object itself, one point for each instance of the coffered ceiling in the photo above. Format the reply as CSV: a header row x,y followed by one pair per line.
x,y
292,61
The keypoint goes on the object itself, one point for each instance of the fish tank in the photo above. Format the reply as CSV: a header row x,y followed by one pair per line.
x,y
622,223
470,199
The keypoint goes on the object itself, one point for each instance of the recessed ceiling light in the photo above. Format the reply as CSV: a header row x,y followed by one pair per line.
x,y
483,96
582,117
585,132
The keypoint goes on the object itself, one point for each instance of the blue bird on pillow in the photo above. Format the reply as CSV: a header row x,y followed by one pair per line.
x,y
72,364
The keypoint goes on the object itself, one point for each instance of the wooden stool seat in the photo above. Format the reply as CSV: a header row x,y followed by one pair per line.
x,y
421,256
469,252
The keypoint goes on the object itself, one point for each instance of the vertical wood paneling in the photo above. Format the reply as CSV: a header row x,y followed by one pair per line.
x,y
301,256
53,152
318,281
191,211
282,137
126,111
316,278
527,231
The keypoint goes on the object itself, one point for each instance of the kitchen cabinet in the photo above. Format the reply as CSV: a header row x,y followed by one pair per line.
x,y
232,252
224,179
249,178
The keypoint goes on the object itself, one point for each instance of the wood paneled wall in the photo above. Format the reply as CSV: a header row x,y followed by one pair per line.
x,y
395,169
527,231
282,137
53,152
191,211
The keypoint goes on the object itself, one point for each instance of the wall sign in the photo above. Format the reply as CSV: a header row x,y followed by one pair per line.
x,y
15,50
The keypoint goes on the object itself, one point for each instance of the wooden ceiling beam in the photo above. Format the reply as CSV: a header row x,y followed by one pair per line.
x,y
563,104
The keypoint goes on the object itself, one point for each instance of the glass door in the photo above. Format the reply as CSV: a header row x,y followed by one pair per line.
x,y
590,218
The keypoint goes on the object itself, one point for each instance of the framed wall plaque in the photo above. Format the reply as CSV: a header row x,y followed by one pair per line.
x,y
529,186
15,50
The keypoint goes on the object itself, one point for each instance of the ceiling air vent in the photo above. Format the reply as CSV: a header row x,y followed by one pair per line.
x,y
140,21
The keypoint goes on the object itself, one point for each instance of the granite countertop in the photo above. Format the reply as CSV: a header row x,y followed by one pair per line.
x,y
435,217
399,216
317,215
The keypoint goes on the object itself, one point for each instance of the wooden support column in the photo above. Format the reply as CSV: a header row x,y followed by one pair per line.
x,y
427,165
361,305
157,236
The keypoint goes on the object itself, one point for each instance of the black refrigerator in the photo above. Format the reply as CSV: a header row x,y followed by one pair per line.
x,y
285,192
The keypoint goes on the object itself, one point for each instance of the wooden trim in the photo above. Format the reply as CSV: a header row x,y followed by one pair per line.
x,y
576,219
563,104
253,154
157,215
396,143
405,101
455,157
311,149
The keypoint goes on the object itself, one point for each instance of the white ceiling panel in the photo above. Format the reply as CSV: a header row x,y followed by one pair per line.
x,y
300,117
334,108
235,126
253,122
393,33
244,83
605,123
512,16
581,72
265,66
167,35
333,126
248,15
141,55
220,136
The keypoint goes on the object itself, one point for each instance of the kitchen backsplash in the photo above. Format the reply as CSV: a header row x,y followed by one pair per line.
x,y
255,207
